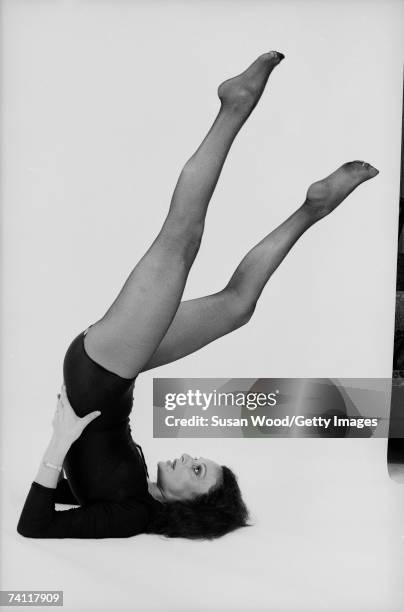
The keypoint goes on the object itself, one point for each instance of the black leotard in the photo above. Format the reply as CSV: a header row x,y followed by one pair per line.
x,y
106,471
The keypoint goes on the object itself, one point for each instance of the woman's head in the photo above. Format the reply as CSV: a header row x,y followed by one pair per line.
x,y
187,477
215,510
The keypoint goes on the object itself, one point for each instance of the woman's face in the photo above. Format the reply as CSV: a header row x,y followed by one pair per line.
x,y
187,477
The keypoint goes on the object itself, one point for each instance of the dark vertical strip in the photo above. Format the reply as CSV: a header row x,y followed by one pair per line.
x,y
395,448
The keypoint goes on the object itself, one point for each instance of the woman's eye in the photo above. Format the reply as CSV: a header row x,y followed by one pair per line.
x,y
197,469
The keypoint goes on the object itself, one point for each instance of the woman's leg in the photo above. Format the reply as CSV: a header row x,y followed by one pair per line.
x,y
198,322
132,328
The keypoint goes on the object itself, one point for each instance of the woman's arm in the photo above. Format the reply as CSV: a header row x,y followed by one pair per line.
x,y
67,427
38,508
39,519
54,455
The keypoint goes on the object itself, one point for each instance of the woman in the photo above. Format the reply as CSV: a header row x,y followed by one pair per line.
x,y
148,326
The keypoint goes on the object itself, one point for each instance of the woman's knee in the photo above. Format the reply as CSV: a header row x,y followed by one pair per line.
x,y
240,307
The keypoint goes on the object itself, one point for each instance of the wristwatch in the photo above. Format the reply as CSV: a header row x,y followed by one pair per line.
x,y
51,465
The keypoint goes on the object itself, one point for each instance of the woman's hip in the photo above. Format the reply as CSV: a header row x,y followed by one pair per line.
x,y
90,387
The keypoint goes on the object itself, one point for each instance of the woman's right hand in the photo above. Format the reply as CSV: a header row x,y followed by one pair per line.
x,y
66,424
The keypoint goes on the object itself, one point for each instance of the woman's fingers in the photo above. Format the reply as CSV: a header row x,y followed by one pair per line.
x,y
62,396
90,417
69,415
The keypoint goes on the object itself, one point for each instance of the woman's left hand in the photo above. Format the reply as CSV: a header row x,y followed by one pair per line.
x,y
66,424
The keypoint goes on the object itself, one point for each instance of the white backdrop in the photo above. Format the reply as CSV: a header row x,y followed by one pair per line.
x,y
102,103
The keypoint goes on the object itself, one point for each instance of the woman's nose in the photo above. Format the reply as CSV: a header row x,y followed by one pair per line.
x,y
185,457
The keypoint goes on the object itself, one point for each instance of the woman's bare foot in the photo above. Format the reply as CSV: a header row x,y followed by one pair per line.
x,y
324,196
241,93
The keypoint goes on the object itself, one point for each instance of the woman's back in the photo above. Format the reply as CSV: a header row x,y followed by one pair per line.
x,y
104,464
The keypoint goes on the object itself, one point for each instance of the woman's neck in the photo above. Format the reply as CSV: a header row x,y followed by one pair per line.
x,y
155,491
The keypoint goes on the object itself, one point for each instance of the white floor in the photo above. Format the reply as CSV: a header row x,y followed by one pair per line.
x,y
328,536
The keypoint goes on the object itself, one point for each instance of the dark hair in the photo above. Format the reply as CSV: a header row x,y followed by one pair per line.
x,y
208,516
